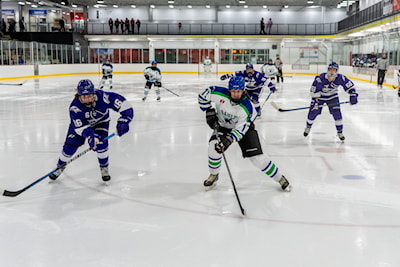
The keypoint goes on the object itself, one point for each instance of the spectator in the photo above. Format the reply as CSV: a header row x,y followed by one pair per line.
x,y
3,26
11,27
133,25
262,26
122,24
138,25
62,25
179,26
21,24
111,24
127,25
269,25
278,64
382,66
117,26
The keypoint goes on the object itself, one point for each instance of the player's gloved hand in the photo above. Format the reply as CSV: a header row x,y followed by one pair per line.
x,y
272,89
158,84
122,126
224,142
94,140
225,76
314,104
211,117
398,93
353,97
147,77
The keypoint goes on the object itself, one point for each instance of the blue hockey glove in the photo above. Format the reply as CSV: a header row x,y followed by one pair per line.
x,y
225,76
211,117
122,126
93,140
273,89
224,142
314,104
353,97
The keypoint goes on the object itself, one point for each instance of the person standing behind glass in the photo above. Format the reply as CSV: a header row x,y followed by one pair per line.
x,y
111,24
133,25
138,25
382,66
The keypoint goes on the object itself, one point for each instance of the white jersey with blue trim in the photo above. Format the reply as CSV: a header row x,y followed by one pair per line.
x,y
269,70
154,73
231,115
107,69
324,89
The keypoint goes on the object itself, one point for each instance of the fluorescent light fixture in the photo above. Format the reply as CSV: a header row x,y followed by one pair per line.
x,y
242,1
246,6
264,6
133,6
312,6
286,6
171,6
208,6
189,6
28,2
33,5
21,3
228,6
310,2
63,3
73,5
152,6
115,6
171,1
100,2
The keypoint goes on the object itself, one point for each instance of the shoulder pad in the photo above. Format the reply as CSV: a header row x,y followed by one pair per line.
x,y
75,109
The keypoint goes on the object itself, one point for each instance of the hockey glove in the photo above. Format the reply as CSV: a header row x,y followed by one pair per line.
x,y
314,104
211,117
122,126
94,140
147,77
225,76
353,97
158,84
272,89
224,142
398,93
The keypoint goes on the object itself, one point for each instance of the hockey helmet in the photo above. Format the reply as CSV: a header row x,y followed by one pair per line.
x,y
333,65
154,62
249,66
85,87
108,60
236,82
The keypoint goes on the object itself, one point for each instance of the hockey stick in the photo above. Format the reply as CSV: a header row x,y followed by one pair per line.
x,y
8,193
233,183
265,101
292,109
13,84
171,91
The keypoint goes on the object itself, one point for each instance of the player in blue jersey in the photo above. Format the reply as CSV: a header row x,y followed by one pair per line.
x,y
107,69
255,81
398,82
90,119
324,90
153,76
231,114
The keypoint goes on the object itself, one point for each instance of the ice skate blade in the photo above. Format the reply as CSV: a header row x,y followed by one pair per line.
x,y
208,188
288,188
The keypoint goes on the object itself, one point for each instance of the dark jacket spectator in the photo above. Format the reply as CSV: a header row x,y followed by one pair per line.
x,y
3,26
21,24
117,25
133,25
127,25
138,25
62,25
111,24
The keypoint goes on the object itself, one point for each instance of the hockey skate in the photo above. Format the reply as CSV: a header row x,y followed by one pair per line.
x,y
158,98
110,87
285,185
144,98
104,174
57,173
306,131
341,136
211,181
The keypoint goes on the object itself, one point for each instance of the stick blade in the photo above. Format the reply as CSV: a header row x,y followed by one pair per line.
x,y
275,106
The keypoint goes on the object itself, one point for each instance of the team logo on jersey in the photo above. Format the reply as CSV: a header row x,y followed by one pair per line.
x,y
221,101
75,109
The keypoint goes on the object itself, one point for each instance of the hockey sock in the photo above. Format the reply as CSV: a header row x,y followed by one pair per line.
x,y
266,166
214,158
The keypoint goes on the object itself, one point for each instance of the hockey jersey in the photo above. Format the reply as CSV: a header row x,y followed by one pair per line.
x,y
231,115
154,73
84,117
324,89
269,70
107,69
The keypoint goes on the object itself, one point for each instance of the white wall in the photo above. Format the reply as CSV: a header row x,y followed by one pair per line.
x,y
16,71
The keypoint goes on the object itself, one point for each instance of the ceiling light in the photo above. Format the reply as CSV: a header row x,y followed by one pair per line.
x,y
246,6
286,6
264,6
133,6
310,2
152,6
189,6
171,6
28,2
170,1
21,3
228,6
74,5
33,5
115,6
100,2
242,1
208,6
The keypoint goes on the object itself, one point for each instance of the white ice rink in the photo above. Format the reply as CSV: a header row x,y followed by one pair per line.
x,y
344,210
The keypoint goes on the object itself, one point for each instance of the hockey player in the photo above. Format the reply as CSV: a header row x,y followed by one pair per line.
x,y
255,82
231,114
153,76
398,82
107,70
325,90
278,64
90,119
269,70
207,65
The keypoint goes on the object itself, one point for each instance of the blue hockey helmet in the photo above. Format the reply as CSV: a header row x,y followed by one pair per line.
x,y
249,66
333,65
236,82
154,62
85,87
